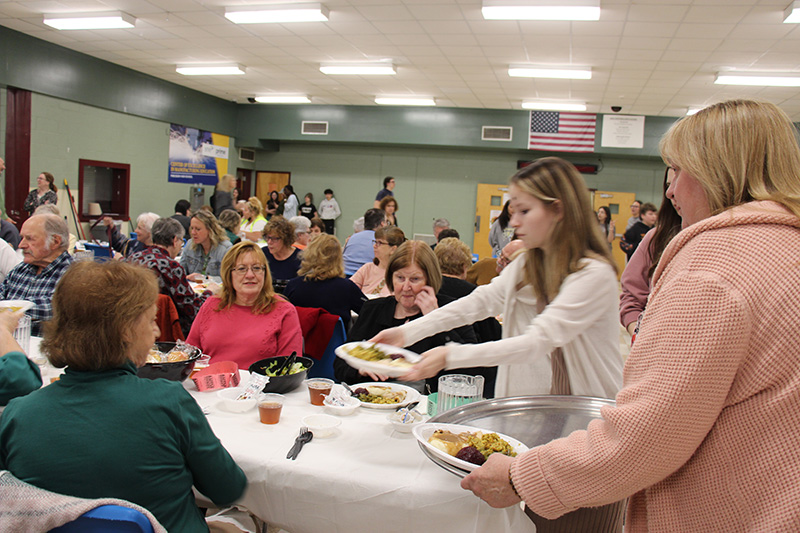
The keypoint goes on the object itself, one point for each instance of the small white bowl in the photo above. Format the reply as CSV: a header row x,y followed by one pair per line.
x,y
342,410
230,403
414,419
321,425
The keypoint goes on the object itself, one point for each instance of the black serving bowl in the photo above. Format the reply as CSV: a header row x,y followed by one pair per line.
x,y
177,371
282,384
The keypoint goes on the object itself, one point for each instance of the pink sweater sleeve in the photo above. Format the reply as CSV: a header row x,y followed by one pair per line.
x,y
677,377
290,336
635,283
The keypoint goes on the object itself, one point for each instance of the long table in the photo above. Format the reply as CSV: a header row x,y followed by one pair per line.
x,y
366,477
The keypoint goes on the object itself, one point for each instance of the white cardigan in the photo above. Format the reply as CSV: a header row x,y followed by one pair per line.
x,y
581,320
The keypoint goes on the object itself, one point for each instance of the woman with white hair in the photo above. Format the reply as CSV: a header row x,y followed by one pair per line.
x,y
302,227
126,246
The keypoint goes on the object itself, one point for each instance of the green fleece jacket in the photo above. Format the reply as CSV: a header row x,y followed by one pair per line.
x,y
18,376
113,434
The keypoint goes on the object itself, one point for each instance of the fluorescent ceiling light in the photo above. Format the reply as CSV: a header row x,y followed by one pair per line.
x,y
363,69
210,70
541,9
520,71
554,106
286,99
382,100
277,13
759,80
692,110
90,21
791,15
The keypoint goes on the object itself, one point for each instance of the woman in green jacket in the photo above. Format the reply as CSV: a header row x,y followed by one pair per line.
x,y
101,431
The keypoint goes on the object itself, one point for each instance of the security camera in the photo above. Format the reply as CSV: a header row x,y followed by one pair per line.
x,y
616,108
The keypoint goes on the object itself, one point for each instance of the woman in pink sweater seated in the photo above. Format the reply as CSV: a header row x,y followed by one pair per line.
x,y
371,278
248,321
704,436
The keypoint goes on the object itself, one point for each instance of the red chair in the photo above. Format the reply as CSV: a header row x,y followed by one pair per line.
x,y
167,320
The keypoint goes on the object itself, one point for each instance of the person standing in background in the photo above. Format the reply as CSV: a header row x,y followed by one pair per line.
x,y
222,197
329,211
634,214
500,232
290,203
607,226
308,209
636,233
388,187
44,193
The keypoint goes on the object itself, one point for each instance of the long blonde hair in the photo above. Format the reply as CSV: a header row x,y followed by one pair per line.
x,y
738,151
215,232
266,299
576,235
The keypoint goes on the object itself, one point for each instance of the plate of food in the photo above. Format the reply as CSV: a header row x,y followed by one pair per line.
x,y
383,395
383,359
465,447
15,305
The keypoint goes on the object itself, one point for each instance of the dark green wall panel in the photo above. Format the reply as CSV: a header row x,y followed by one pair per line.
x,y
44,68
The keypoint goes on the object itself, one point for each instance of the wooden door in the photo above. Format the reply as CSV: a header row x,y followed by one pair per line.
x,y
489,204
619,204
266,182
244,183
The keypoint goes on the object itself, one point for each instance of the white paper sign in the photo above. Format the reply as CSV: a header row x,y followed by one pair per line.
x,y
623,131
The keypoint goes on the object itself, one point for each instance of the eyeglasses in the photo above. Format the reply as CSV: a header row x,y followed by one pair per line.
x,y
272,239
258,270
380,243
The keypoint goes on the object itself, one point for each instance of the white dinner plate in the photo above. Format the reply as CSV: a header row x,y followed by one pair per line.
x,y
411,395
16,305
424,432
377,367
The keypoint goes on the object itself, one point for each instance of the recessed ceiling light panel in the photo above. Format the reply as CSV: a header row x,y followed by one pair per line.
x,y
554,106
211,70
541,9
90,21
359,69
283,99
408,100
759,80
522,71
277,13
791,15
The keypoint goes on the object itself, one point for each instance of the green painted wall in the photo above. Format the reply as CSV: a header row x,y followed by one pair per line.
x,y
64,132
431,182
45,68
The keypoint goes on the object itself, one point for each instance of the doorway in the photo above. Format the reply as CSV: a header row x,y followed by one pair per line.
x,y
490,200
619,204
266,182
244,180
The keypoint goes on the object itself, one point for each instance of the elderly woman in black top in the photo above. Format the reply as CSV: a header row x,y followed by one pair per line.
x,y
414,276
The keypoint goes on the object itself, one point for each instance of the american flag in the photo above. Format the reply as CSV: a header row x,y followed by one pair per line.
x,y
562,132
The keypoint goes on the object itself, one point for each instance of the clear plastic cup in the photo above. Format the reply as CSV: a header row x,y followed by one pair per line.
x,y
318,388
269,407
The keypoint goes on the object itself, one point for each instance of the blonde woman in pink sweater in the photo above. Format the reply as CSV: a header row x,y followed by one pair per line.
x,y
704,436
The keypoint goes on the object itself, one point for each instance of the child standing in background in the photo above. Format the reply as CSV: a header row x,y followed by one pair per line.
x,y
329,211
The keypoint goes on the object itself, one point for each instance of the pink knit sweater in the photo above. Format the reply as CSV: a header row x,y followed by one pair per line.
x,y
238,335
706,432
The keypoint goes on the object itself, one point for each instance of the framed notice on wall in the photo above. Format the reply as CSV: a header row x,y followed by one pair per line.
x,y
197,156
622,131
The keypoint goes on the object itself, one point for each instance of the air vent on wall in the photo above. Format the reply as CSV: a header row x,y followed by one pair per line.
x,y
246,154
314,128
496,133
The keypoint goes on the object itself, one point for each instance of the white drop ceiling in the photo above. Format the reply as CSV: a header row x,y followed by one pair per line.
x,y
650,57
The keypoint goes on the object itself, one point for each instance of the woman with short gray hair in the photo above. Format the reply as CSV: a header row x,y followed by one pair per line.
x,y
167,235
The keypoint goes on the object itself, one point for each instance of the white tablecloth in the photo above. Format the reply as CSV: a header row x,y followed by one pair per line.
x,y
367,477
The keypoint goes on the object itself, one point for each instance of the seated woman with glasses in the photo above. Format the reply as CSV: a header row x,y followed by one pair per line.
x,y
282,257
248,321
371,277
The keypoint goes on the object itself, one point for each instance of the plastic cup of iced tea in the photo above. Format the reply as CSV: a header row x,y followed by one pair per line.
x,y
269,408
318,388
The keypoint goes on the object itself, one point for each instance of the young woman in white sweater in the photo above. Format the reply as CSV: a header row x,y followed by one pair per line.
x,y
559,299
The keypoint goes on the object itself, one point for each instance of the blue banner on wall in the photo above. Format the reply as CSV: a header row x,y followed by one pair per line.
x,y
197,156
